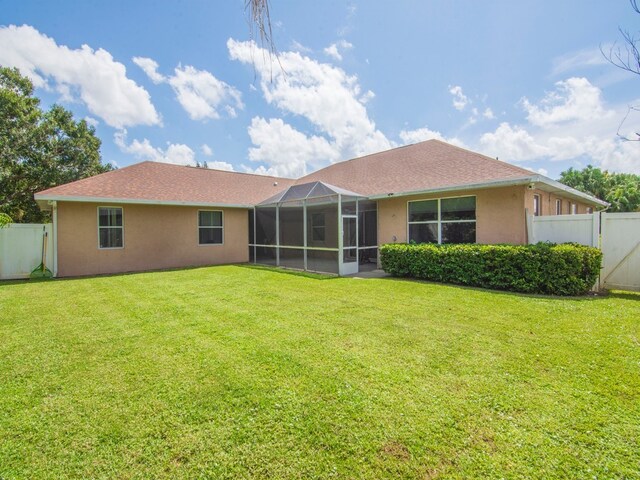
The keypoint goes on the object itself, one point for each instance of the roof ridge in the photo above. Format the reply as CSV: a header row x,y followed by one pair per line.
x,y
364,156
211,170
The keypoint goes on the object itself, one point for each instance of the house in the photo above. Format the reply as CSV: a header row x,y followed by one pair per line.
x,y
153,215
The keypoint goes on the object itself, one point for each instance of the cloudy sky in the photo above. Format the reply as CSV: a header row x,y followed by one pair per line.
x,y
182,82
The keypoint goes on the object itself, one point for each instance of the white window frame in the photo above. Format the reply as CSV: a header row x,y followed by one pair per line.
x,y
99,227
537,205
558,206
573,208
439,221
221,227
590,210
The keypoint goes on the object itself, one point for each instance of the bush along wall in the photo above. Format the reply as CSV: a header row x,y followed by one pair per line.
x,y
544,268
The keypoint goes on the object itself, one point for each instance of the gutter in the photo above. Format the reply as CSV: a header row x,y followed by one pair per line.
x,y
140,201
531,181
564,188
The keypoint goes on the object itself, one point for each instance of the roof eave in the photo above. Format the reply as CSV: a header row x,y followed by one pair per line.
x,y
532,179
43,201
557,186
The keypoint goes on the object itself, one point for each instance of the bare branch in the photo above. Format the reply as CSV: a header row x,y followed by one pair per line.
x,y
620,135
627,58
259,20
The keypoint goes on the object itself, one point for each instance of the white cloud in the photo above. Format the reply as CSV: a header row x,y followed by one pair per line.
x,y
574,99
150,67
422,134
287,151
460,100
220,166
298,47
563,127
320,93
511,144
179,154
488,114
590,57
92,122
206,150
336,50
89,76
201,94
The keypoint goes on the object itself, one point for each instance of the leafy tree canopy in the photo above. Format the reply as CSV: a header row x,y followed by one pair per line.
x,y
39,149
621,190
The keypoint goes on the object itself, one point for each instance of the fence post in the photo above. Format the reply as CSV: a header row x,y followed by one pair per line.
x,y
529,225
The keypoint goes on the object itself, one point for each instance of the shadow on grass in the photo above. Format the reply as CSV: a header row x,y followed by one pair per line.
x,y
590,297
266,268
287,271
625,295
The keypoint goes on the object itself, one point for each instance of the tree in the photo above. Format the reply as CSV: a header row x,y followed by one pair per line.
x,y
5,220
628,57
621,190
39,149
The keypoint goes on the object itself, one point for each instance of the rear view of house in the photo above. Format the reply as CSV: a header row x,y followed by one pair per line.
x,y
152,215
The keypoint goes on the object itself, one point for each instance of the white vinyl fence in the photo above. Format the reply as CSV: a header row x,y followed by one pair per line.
x,y
21,249
583,229
621,251
619,240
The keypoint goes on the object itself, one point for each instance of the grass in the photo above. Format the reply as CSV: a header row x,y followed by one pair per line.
x,y
240,372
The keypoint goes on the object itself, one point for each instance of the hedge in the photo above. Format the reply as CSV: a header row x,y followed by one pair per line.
x,y
545,268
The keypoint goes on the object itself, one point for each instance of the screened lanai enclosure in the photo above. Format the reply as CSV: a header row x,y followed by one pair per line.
x,y
315,227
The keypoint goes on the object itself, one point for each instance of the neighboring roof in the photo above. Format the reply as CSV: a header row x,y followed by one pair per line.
x,y
164,183
431,166
307,190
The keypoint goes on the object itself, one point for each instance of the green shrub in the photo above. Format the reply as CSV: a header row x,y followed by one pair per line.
x,y
567,269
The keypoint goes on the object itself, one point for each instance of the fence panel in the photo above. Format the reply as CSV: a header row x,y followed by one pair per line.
x,y
621,251
21,249
583,229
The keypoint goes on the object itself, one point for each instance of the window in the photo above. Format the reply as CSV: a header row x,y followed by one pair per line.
x,y
317,227
536,205
558,207
110,227
210,228
574,208
447,220
589,209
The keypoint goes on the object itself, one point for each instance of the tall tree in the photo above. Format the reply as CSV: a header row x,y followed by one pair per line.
x,y
621,190
39,149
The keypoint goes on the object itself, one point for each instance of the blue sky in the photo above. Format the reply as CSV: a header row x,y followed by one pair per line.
x,y
181,82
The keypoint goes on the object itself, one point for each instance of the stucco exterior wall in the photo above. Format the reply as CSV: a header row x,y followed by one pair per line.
x,y
548,203
155,237
500,216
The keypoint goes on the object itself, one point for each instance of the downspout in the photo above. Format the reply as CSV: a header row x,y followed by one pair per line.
x,y
54,205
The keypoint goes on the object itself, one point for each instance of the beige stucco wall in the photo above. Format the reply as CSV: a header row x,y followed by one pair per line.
x,y
499,215
548,203
154,237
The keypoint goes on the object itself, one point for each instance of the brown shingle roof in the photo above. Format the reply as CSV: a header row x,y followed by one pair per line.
x,y
423,166
164,182
429,165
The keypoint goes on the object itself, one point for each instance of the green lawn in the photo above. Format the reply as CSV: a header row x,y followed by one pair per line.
x,y
240,372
